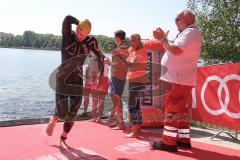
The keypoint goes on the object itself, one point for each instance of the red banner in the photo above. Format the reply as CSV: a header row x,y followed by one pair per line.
x,y
216,98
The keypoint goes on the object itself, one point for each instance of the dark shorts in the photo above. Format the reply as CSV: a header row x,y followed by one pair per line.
x,y
116,86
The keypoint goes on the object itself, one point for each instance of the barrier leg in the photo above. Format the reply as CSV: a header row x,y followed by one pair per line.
x,y
236,134
216,134
235,138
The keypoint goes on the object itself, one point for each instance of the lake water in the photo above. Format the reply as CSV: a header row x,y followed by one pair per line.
x,y
24,89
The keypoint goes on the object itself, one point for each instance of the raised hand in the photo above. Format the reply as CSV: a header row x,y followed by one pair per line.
x,y
159,34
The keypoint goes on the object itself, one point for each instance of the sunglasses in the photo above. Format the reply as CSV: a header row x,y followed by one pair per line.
x,y
177,19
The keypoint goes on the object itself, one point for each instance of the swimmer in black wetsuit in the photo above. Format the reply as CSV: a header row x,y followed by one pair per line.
x,y
69,79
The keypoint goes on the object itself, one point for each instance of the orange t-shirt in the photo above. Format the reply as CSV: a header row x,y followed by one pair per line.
x,y
139,59
138,66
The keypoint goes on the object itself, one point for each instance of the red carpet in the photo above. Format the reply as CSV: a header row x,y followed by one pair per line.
x,y
92,141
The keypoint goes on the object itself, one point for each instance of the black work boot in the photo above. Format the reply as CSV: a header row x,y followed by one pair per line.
x,y
184,145
161,146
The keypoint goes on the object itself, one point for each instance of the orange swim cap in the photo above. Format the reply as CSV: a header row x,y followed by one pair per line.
x,y
85,26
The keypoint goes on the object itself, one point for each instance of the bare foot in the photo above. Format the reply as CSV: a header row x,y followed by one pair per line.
x,y
119,127
98,120
93,120
112,124
51,125
63,143
132,135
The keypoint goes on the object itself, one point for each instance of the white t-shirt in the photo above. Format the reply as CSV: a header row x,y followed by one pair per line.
x,y
182,69
106,68
92,70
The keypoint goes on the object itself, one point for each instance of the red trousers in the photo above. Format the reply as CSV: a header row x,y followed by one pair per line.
x,y
176,119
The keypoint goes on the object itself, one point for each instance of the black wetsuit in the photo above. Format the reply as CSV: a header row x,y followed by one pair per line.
x,y
69,85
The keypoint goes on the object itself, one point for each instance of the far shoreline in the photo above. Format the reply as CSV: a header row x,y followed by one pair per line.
x,y
44,49
31,48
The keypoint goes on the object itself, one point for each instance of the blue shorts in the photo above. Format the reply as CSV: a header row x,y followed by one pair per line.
x,y
116,86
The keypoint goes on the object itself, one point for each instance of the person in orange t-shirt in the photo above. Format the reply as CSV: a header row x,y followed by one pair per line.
x,y
137,77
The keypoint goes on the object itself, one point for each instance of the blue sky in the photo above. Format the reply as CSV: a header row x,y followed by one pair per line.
x,y
133,16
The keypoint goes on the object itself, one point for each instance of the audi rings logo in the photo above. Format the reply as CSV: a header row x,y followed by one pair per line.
x,y
222,86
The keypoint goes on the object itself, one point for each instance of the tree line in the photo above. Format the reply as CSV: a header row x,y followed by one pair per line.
x,y
219,21
30,39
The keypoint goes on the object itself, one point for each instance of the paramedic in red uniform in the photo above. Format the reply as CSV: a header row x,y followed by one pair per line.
x,y
180,59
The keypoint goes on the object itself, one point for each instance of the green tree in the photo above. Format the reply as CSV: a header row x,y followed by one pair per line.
x,y
18,41
219,22
9,40
58,42
6,39
1,39
103,40
28,37
36,42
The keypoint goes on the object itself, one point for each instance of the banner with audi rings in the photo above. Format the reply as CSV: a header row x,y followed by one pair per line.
x,y
216,97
